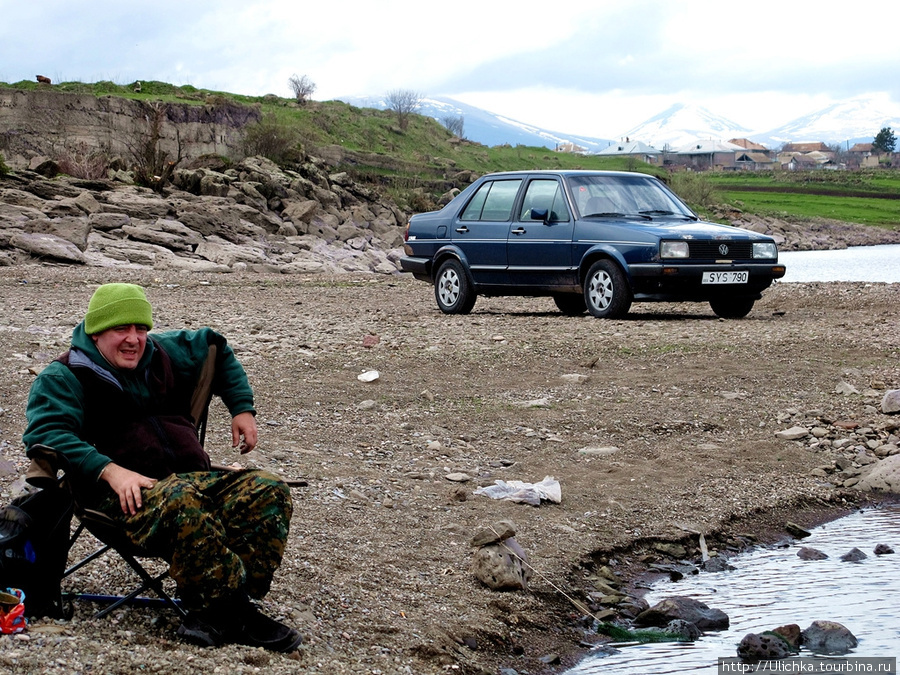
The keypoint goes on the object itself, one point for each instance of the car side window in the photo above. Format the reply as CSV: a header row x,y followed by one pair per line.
x,y
544,195
493,201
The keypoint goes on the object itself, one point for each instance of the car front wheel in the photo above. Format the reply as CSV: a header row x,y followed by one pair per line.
x,y
452,290
606,291
732,308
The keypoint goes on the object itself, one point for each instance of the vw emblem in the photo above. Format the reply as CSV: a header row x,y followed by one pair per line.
x,y
723,249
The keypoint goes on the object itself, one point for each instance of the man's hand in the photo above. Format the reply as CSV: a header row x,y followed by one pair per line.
x,y
127,485
244,425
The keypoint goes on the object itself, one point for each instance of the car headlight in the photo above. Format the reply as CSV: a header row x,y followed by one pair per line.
x,y
765,250
674,249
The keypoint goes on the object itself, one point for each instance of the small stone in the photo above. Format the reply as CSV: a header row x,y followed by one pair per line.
x,y
499,531
853,555
601,451
807,553
796,531
845,388
883,549
890,404
458,477
792,434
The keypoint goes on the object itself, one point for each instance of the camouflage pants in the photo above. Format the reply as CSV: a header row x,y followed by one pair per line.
x,y
222,532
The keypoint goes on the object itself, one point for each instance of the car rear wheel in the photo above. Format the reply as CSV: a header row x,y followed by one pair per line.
x,y
452,290
606,291
732,308
570,304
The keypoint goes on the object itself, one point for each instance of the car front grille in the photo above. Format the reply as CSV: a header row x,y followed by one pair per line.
x,y
711,250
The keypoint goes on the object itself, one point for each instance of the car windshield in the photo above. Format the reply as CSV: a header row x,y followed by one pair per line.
x,y
610,196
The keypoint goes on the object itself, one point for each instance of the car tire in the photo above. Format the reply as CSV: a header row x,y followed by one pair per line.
x,y
452,290
570,304
607,294
732,308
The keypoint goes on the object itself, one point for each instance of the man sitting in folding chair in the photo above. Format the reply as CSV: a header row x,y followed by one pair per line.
x,y
118,406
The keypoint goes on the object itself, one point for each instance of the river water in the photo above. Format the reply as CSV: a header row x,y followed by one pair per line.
x,y
772,587
857,263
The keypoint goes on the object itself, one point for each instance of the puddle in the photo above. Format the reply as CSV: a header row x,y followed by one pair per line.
x,y
772,587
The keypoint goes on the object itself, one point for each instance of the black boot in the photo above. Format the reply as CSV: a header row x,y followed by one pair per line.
x,y
259,630
240,621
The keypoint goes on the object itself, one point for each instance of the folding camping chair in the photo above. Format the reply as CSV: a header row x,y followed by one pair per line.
x,y
48,471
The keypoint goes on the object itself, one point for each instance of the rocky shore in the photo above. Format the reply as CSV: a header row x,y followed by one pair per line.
x,y
658,428
255,217
252,216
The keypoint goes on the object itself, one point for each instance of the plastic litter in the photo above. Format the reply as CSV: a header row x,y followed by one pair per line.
x,y
526,493
12,611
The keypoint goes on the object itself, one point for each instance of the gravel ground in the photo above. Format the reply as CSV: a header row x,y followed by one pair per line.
x,y
378,569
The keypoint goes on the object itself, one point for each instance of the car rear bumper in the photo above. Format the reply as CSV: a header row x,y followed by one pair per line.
x,y
420,268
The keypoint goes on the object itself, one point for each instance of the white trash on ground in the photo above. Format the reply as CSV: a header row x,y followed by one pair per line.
x,y
528,493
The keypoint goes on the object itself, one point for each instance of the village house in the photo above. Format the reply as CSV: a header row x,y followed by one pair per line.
x,y
703,155
637,149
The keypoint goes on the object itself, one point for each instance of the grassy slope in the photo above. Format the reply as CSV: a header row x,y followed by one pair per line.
x,y
421,158
870,197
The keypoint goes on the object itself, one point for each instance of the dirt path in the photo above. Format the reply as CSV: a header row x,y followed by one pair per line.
x,y
378,569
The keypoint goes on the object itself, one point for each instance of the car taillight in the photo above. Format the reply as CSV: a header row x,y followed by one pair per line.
x,y
406,233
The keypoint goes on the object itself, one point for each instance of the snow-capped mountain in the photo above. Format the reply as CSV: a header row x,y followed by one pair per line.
x,y
682,124
486,127
854,121
857,120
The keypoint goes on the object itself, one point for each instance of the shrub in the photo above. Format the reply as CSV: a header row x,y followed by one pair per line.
x,y
81,161
694,188
3,168
272,139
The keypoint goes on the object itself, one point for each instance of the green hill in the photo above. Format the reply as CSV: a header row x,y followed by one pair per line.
x,y
417,164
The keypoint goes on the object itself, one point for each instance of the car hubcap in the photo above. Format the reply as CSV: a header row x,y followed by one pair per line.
x,y
448,287
601,290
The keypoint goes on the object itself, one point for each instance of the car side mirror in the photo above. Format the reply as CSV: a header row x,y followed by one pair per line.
x,y
541,214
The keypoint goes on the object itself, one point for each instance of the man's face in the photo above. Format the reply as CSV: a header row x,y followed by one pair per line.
x,y
122,346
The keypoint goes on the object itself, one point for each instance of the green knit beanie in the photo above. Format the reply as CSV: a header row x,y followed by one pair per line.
x,y
117,305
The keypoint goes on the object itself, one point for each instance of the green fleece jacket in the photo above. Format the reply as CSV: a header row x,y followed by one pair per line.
x,y
56,404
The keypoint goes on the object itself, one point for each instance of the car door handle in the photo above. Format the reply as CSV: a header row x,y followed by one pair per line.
x,y
462,229
521,230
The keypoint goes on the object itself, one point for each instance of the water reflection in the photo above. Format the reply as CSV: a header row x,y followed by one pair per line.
x,y
773,587
857,263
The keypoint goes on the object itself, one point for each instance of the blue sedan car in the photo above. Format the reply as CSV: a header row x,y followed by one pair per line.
x,y
595,241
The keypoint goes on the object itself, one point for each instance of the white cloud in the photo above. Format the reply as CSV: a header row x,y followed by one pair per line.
x,y
586,67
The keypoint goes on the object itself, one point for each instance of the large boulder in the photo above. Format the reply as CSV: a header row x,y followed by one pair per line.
x,y
882,477
502,566
687,609
890,404
828,637
48,246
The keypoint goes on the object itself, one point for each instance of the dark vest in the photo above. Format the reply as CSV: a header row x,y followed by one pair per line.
x,y
155,440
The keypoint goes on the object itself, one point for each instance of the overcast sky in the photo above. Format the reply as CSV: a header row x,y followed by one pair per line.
x,y
594,68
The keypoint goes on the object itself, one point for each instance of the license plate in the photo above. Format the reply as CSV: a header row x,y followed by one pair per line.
x,y
731,277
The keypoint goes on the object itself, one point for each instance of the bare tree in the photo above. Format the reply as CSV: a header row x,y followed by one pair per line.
x,y
152,166
455,124
303,88
403,102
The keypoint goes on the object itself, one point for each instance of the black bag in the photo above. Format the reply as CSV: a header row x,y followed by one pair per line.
x,y
34,546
